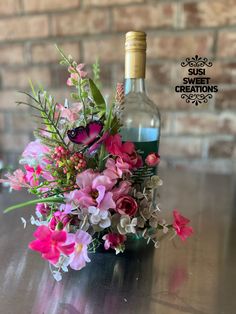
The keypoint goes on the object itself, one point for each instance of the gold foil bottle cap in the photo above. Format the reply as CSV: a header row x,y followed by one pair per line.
x,y
135,54
136,41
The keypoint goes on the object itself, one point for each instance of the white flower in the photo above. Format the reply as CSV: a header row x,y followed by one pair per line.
x,y
126,225
99,217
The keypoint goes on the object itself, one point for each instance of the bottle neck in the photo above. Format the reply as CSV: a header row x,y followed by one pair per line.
x,y
134,85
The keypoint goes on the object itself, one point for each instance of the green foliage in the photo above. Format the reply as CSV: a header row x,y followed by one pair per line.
x,y
96,73
46,106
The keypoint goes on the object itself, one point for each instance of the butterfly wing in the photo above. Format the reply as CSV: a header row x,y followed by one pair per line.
x,y
78,135
86,135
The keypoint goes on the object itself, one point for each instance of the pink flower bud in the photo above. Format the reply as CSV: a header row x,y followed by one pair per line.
x,y
152,159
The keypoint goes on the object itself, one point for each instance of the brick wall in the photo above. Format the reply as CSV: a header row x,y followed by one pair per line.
x,y
200,137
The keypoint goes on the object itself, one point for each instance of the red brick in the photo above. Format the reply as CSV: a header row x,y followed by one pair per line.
x,y
47,52
110,2
8,101
225,99
80,22
47,5
167,99
205,123
2,125
12,54
139,17
107,50
226,44
209,13
24,27
180,147
9,7
22,122
19,78
158,75
176,46
12,142
221,148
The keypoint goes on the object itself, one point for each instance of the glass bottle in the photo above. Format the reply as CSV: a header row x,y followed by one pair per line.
x,y
140,117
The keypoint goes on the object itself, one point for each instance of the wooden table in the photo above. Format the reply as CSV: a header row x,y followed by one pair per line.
x,y
198,276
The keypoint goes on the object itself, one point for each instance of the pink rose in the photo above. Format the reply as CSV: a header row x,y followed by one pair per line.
x,y
126,205
113,240
152,159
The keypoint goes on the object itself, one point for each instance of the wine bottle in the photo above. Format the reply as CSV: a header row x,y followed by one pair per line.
x,y
140,117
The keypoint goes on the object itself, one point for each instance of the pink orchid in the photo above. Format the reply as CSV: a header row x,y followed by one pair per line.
x,y
32,175
80,256
126,151
95,190
180,227
116,168
51,243
16,180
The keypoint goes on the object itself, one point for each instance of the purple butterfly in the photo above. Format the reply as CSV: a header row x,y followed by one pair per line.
x,y
89,135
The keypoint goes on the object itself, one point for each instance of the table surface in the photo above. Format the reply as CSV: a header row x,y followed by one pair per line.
x,y
197,276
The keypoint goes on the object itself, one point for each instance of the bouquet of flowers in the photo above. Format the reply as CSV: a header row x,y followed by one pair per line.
x,y
88,193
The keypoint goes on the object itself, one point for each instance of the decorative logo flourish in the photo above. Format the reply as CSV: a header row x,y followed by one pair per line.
x,y
196,87
196,62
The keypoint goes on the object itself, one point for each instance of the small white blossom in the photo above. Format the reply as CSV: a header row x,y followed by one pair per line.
x,y
99,217
126,225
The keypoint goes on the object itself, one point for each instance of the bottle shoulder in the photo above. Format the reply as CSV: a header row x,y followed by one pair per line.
x,y
141,102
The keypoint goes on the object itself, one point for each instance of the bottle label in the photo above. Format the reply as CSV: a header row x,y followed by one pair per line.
x,y
144,149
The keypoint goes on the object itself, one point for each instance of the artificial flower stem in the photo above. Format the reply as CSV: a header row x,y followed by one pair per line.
x,y
32,202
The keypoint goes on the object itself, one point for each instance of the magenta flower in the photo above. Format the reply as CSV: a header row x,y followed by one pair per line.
x,y
16,180
51,244
95,190
32,175
80,256
114,241
180,226
126,151
58,217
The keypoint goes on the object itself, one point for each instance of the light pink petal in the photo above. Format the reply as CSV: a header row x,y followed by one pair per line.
x,y
101,192
107,202
103,180
83,237
85,178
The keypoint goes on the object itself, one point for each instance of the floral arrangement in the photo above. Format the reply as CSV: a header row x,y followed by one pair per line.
x,y
83,177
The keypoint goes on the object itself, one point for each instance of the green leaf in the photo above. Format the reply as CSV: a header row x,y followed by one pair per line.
x,y
97,96
32,202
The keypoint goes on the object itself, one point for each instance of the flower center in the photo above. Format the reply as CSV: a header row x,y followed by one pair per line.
x,y
79,247
94,194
